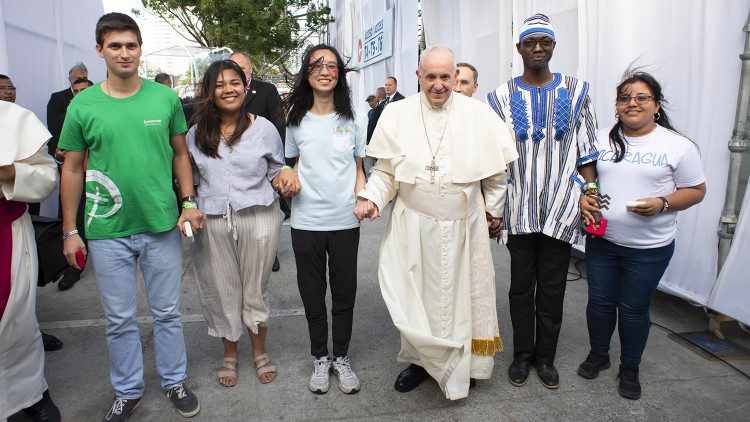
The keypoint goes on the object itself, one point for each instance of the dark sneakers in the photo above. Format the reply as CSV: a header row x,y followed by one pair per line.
x,y
121,409
184,400
594,363
630,386
548,375
518,372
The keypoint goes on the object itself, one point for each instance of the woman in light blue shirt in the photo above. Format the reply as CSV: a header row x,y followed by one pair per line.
x,y
239,162
327,139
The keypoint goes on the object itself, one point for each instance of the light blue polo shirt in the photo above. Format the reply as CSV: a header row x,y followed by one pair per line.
x,y
326,146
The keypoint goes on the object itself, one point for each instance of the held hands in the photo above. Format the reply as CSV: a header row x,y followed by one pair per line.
x,y
366,209
495,225
287,182
70,246
59,154
647,207
590,210
7,173
194,216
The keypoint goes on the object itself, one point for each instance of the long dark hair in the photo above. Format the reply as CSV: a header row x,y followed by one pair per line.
x,y
207,119
300,99
628,78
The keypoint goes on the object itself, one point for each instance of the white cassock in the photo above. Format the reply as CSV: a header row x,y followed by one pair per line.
x,y
22,143
436,273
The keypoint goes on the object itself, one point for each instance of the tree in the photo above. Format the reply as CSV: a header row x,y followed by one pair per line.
x,y
265,29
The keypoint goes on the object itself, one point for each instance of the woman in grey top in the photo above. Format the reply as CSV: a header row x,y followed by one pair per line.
x,y
239,162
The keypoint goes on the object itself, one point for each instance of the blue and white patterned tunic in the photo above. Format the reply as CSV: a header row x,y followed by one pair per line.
x,y
555,131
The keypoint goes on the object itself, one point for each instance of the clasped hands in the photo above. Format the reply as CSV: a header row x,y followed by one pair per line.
x,y
495,225
366,209
287,182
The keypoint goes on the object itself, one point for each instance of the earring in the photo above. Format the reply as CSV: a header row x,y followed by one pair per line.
x,y
657,116
617,116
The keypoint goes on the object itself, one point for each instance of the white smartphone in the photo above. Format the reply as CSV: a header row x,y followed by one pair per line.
x,y
632,204
189,231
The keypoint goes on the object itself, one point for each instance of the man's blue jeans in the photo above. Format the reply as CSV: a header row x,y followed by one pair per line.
x,y
622,282
114,264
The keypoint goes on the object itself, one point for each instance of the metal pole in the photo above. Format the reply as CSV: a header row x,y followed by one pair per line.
x,y
737,146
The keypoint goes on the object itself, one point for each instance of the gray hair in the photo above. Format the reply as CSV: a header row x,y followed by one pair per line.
x,y
78,66
436,49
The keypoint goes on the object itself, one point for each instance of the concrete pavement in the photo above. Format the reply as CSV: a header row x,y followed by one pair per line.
x,y
678,383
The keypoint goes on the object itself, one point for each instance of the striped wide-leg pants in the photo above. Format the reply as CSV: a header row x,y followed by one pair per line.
x,y
232,258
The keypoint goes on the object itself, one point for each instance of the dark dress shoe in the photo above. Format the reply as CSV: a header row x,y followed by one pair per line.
x,y
472,382
594,363
276,264
51,343
630,386
410,378
69,278
548,375
44,410
518,372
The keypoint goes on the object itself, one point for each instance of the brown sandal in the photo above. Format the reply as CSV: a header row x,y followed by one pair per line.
x,y
228,370
263,366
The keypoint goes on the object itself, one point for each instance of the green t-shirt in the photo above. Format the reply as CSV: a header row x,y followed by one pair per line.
x,y
129,170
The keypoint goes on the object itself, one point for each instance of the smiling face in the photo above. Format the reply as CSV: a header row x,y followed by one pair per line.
x,y
323,71
121,52
637,119
229,94
437,77
536,51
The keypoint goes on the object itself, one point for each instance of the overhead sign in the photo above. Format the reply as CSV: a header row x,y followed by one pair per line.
x,y
376,43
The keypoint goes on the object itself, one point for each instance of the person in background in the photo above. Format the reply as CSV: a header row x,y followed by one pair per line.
x,y
27,174
468,78
326,138
624,265
239,160
164,79
58,104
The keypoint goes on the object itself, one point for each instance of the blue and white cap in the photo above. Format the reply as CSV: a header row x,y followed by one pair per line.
x,y
537,24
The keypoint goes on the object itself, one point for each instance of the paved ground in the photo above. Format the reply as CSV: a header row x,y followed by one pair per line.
x,y
678,383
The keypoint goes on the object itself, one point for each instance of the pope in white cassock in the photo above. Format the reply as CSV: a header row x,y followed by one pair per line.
x,y
27,174
443,158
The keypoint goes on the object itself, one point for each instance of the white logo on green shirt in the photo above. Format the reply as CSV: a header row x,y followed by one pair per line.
x,y
106,198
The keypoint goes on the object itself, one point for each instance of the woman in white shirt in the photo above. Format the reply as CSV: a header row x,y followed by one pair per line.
x,y
649,172
239,163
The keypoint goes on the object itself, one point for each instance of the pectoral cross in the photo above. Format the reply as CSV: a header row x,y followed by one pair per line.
x,y
432,168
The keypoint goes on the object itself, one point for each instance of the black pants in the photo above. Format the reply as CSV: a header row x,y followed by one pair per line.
x,y
310,250
538,275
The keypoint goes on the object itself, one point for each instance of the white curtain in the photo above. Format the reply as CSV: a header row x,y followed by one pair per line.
x,y
691,47
352,18
731,294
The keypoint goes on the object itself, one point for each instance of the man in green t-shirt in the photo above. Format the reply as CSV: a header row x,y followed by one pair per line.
x,y
133,133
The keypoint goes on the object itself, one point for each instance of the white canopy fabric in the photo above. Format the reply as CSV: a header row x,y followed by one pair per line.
x,y
352,18
690,46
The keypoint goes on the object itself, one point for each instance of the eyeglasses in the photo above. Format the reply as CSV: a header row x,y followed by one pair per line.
x,y
531,44
7,88
318,67
624,99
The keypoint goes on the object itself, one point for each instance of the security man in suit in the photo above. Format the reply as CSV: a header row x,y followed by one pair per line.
x,y
58,104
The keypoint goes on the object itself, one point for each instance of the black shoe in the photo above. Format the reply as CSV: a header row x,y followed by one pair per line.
x,y
548,375
472,382
518,372
44,410
594,363
121,409
276,265
51,343
184,400
410,378
69,278
630,386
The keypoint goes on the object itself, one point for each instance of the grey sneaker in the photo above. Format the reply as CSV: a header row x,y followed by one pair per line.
x,y
319,380
121,409
348,381
184,400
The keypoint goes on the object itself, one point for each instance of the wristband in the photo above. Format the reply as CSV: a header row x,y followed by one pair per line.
x,y
590,186
664,204
288,167
70,233
189,204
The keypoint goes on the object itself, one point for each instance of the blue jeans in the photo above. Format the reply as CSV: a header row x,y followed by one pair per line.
x,y
114,264
622,282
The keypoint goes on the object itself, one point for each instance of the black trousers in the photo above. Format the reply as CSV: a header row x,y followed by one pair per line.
x,y
538,275
311,248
